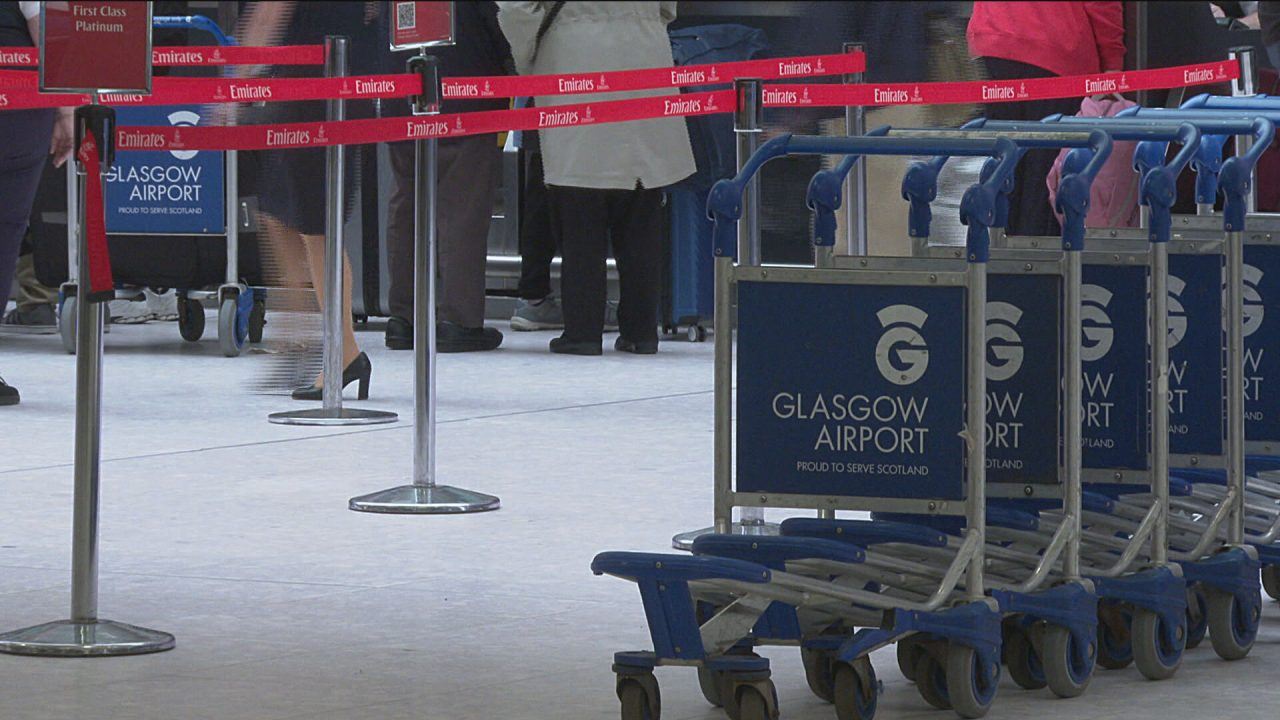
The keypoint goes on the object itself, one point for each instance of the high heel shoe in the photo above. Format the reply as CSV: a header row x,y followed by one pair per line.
x,y
359,369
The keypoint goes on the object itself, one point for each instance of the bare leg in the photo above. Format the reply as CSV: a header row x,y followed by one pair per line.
x,y
315,256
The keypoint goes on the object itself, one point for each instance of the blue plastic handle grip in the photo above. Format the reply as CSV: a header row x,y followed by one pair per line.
x,y
1223,102
193,22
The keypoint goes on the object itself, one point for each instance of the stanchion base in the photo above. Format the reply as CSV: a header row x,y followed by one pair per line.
x,y
422,500
684,541
339,416
67,638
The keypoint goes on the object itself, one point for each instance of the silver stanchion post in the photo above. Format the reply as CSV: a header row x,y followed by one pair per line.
x,y
748,124
332,412
855,215
85,634
424,496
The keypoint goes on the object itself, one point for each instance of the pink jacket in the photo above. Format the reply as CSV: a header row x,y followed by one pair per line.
x,y
1113,199
1065,38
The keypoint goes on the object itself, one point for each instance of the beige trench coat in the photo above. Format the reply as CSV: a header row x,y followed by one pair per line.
x,y
602,36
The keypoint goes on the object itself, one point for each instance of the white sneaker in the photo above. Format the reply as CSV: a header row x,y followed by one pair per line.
x,y
541,314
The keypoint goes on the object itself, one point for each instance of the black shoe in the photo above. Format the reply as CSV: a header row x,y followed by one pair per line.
x,y
399,333
565,346
359,369
642,347
8,394
453,338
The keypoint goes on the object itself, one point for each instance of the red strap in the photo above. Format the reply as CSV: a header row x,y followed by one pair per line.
x,y
202,55
99,286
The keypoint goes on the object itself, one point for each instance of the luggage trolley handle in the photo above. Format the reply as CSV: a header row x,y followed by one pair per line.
x,y
192,22
724,206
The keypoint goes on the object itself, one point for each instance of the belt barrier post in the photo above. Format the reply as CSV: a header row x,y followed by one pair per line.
x,y
748,123
424,496
855,212
1245,85
332,412
85,634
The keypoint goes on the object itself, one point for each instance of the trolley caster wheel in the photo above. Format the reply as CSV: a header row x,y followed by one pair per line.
x,y
819,671
640,697
67,324
1197,615
971,683
1115,638
233,329
712,685
1025,666
1233,624
931,680
696,333
257,320
1067,666
1157,648
856,690
909,652
751,703
190,319
1271,581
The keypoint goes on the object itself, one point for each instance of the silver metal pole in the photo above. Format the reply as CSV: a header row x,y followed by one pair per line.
x,y
331,411
855,206
424,496
747,124
1235,384
976,422
84,634
232,221
1074,418
1245,85
1160,398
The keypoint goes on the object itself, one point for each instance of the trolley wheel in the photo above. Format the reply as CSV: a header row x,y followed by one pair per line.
x,y
1197,615
931,680
232,329
751,703
1068,667
1157,648
190,318
1233,625
696,333
909,652
1271,580
971,683
856,690
819,671
711,683
636,702
1025,666
1115,638
257,320
67,324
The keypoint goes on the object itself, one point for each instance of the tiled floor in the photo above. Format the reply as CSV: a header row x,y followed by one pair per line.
x,y
233,534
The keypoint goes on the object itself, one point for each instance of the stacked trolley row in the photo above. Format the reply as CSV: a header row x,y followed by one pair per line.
x,y
1088,551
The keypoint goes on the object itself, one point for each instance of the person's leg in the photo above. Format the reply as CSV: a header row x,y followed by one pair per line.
x,y
537,234
636,219
470,169
580,216
400,247
315,264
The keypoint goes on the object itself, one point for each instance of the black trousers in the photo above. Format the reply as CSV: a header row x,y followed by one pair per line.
x,y
587,220
1029,209
23,154
538,245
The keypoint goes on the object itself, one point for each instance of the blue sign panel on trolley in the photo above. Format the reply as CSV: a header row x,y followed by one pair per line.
x,y
1261,342
1114,355
1023,378
167,192
1196,359
853,390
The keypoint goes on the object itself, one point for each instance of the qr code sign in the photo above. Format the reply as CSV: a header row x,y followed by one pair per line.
x,y
406,16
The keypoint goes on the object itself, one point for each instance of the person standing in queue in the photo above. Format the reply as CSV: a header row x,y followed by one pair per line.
x,y
27,138
1016,40
292,201
468,171
604,181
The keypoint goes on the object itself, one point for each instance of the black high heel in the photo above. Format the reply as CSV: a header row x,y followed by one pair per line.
x,y
359,369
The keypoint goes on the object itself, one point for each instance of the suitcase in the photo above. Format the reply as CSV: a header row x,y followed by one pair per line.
x,y
689,287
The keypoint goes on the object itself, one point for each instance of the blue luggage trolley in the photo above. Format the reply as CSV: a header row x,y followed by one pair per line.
x,y
178,193
852,395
